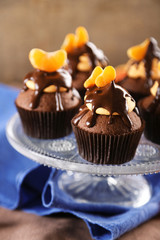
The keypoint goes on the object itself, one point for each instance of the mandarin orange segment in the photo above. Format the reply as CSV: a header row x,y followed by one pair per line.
x,y
69,42
138,52
90,82
47,61
121,72
81,36
158,65
107,76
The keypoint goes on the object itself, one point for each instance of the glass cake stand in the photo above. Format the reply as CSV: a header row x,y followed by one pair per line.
x,y
116,185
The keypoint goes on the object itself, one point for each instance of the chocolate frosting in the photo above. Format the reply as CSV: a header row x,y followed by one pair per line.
x,y
111,97
153,51
42,80
156,101
96,55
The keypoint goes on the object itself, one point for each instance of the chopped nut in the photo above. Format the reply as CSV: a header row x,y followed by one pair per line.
x,y
84,67
63,89
53,88
155,73
50,89
84,58
154,88
84,64
31,85
103,111
100,111
137,70
131,104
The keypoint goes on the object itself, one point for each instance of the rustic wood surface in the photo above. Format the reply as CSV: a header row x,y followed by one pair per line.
x,y
18,225
147,231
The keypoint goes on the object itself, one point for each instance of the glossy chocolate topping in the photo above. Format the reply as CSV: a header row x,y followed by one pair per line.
x,y
156,101
153,51
96,56
42,80
111,97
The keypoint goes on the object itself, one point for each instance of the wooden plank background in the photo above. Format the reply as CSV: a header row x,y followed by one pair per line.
x,y
112,25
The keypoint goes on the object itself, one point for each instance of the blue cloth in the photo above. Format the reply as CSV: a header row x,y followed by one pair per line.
x,y
26,185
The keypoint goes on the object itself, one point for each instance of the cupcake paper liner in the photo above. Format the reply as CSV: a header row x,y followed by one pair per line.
x,y
152,124
107,149
152,127
46,125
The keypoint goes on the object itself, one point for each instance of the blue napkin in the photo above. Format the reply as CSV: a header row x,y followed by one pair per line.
x,y
24,184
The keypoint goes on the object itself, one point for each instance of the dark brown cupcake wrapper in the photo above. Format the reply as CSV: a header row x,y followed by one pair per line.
x,y
46,125
107,149
152,124
152,128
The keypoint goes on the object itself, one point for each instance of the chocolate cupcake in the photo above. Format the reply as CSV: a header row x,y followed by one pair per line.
x,y
83,57
47,101
108,127
150,111
138,75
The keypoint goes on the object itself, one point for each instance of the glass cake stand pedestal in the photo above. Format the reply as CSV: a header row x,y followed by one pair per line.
x,y
117,185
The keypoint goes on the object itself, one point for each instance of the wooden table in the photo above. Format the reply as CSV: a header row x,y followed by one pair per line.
x,y
18,225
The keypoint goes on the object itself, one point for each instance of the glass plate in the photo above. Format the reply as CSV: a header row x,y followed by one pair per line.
x,y
63,154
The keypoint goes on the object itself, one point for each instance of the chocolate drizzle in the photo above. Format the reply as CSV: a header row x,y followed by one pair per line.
x,y
153,51
42,80
156,101
112,98
59,106
83,110
96,56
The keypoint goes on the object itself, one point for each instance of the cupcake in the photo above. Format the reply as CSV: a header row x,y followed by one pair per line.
x,y
47,101
138,75
150,111
108,127
83,57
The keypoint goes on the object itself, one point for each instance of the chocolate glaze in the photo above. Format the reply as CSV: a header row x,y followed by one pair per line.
x,y
96,56
111,97
153,51
42,80
156,101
